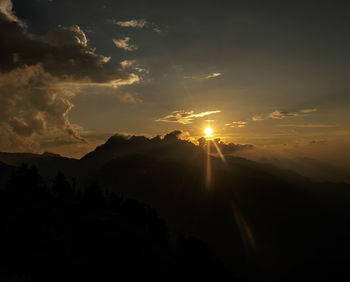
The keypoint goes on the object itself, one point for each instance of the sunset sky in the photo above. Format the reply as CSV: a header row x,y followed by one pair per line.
x,y
268,73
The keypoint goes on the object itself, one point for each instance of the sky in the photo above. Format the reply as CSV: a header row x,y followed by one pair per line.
x,y
274,74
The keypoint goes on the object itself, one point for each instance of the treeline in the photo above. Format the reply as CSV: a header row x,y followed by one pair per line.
x,y
60,233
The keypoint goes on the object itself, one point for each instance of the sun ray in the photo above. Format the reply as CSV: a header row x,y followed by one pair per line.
x,y
219,152
208,172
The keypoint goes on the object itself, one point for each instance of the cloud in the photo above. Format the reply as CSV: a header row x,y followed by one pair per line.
x,y
214,74
128,98
63,52
40,74
138,23
277,114
232,147
127,63
61,36
226,148
6,9
237,124
34,104
257,118
203,77
132,79
178,135
184,117
131,64
282,114
307,111
124,44
157,29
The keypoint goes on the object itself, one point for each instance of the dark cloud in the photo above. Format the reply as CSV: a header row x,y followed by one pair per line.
x,y
277,114
63,52
283,114
32,102
229,148
66,36
40,74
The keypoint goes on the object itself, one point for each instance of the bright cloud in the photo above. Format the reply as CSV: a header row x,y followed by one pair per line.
x,y
214,74
184,117
203,77
138,23
123,43
239,124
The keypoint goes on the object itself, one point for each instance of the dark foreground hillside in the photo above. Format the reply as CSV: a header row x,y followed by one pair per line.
x,y
263,223
60,234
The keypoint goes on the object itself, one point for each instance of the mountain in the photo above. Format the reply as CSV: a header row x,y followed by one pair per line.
x,y
250,211
312,168
63,234
48,163
118,146
272,223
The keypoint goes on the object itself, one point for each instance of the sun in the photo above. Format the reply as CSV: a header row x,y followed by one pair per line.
x,y
209,132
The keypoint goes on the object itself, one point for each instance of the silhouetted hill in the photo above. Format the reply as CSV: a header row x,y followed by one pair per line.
x,y
312,168
275,214
47,163
119,146
264,222
60,234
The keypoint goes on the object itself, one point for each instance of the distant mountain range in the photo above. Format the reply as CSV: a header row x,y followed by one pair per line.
x,y
315,169
275,219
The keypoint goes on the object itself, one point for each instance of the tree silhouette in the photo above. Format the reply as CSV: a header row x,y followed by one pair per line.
x,y
61,187
94,196
26,182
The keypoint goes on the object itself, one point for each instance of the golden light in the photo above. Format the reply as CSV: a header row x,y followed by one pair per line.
x,y
209,132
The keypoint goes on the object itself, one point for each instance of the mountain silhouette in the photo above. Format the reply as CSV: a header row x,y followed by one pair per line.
x,y
312,168
47,163
263,222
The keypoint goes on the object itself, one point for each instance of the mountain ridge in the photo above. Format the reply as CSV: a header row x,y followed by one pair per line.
x,y
248,210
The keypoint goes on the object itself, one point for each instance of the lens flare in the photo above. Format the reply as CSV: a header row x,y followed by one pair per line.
x,y
208,173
